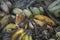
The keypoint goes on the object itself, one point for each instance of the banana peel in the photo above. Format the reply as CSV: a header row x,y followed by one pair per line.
x,y
26,25
26,37
46,19
40,23
9,27
15,35
22,35
31,25
5,20
19,18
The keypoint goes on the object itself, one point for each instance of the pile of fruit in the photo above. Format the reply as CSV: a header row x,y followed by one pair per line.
x,y
22,21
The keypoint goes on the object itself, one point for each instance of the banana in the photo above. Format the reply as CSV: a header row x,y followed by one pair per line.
x,y
31,26
40,23
17,33
26,37
46,19
19,18
26,26
30,37
4,20
22,35
9,27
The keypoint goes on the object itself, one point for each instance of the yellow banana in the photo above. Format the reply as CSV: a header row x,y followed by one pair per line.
x,y
26,26
23,38
17,33
22,35
40,23
9,27
26,37
46,19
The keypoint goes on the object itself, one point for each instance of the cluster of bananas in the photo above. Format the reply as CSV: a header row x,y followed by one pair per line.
x,y
18,25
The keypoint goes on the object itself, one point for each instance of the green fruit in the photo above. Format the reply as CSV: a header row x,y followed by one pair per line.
x,y
17,11
30,37
35,10
57,13
27,13
58,34
51,39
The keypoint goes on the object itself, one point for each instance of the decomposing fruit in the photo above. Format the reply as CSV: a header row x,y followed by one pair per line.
x,y
4,20
19,18
46,19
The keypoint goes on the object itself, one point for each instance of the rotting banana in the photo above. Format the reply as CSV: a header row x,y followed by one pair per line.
x,y
9,27
38,22
14,36
4,20
19,18
46,19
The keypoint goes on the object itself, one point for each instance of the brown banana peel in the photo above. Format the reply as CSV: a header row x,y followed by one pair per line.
x,y
46,19
15,35
19,18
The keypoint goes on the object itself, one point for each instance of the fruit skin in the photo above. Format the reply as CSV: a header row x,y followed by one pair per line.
x,y
57,13
19,18
17,11
46,19
40,23
30,37
9,28
35,10
22,35
14,36
58,34
31,25
5,20
27,13
51,39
